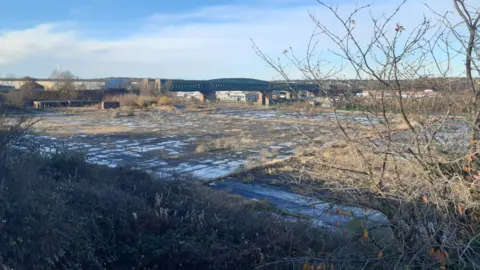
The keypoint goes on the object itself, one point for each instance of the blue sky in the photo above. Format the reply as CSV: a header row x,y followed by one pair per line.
x,y
190,39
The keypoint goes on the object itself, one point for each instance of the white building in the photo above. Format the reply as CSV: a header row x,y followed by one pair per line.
x,y
188,95
226,96
237,96
232,96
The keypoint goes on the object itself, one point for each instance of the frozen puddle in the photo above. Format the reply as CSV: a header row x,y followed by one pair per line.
x,y
215,172
269,114
145,154
210,169
322,213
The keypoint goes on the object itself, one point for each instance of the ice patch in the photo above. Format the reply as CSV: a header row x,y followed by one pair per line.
x,y
236,163
211,173
163,175
133,144
132,154
192,168
286,144
221,161
296,203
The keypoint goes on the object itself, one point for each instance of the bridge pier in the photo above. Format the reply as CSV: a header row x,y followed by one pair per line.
x,y
311,94
208,96
288,95
264,98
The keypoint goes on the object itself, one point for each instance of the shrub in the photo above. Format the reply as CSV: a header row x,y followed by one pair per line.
x,y
201,148
115,114
125,100
140,101
18,97
164,100
61,212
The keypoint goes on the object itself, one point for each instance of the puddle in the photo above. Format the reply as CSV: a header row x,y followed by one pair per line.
x,y
323,213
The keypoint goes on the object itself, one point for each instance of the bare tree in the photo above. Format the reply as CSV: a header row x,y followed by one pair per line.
x,y
147,89
64,81
167,87
407,157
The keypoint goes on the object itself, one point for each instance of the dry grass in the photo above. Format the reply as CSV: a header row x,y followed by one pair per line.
x,y
164,100
145,101
95,217
115,114
60,212
65,128
222,143
132,100
253,165
125,100
201,148
265,154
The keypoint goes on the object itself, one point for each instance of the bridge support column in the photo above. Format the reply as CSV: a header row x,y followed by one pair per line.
x,y
311,94
291,95
208,96
264,98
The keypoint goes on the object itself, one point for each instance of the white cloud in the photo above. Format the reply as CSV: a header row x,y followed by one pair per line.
x,y
208,43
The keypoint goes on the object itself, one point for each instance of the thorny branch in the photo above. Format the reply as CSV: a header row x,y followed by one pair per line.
x,y
413,174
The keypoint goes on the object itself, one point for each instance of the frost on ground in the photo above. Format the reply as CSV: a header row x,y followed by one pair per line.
x,y
165,143
215,144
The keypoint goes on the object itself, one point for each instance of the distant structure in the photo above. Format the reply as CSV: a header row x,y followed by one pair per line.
x,y
152,84
237,89
5,87
188,95
378,94
118,84
236,96
31,85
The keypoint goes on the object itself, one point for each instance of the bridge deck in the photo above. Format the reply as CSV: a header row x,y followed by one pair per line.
x,y
240,84
227,84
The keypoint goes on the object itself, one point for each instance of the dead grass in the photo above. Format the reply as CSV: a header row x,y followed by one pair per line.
x,y
401,125
201,148
65,128
222,143
115,114
132,100
253,165
164,100
145,101
265,154
83,216
125,100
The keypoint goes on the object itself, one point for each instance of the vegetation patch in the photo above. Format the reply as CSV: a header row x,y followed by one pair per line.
x,y
61,212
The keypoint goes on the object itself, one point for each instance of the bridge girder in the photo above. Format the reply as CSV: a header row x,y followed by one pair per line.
x,y
240,84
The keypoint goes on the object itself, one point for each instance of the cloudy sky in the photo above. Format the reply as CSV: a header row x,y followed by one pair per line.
x,y
184,39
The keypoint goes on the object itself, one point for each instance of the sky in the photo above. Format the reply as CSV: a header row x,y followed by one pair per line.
x,y
182,39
